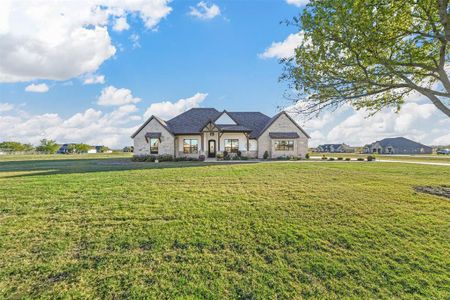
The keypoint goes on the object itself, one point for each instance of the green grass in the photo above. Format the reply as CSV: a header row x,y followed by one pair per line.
x,y
416,158
107,228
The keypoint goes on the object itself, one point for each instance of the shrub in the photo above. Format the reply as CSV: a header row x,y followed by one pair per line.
x,y
360,159
227,157
282,157
244,158
331,158
239,153
219,156
139,158
180,158
307,155
347,159
225,153
266,154
164,157
370,158
150,158
236,157
324,157
340,158
202,158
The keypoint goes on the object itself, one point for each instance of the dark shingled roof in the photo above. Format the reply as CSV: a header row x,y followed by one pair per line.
x,y
400,142
253,120
192,121
283,135
195,119
155,135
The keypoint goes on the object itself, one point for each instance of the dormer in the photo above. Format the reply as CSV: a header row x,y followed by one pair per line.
x,y
225,119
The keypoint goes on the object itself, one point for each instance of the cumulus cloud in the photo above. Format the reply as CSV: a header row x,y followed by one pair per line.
x,y
37,88
94,79
418,120
204,11
168,110
112,96
59,40
92,126
121,24
284,49
4,107
297,2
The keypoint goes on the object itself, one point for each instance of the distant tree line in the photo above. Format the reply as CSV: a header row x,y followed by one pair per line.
x,y
48,146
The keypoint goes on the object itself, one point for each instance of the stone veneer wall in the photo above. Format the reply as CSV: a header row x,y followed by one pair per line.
x,y
282,124
142,146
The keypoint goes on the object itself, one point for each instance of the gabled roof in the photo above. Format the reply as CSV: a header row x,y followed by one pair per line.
x,y
274,118
161,121
194,120
400,142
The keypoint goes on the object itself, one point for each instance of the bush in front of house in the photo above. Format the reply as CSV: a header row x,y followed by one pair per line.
x,y
239,153
324,157
226,157
331,159
225,153
201,157
219,156
307,155
360,159
142,158
244,158
370,158
236,157
164,157
348,159
284,157
266,154
340,158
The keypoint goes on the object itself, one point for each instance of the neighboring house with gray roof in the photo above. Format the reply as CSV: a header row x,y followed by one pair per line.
x,y
207,131
335,148
398,145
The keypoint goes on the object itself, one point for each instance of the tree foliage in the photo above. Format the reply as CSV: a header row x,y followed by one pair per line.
x,y
16,147
82,148
371,54
49,146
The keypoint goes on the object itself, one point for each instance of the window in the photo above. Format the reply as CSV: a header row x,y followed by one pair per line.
x,y
190,146
154,143
284,145
232,146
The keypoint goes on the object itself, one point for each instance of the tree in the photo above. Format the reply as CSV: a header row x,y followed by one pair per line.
x,y
103,149
49,146
370,54
15,146
82,148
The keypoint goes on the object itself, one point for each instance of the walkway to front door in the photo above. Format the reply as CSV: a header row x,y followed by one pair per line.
x,y
211,148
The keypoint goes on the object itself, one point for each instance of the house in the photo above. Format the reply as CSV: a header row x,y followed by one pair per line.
x,y
66,148
335,148
398,145
207,131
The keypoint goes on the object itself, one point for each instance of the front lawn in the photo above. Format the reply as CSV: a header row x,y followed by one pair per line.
x,y
108,228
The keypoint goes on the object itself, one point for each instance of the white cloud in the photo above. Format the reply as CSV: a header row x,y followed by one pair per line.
x,y
134,38
111,96
204,11
92,126
167,110
284,49
121,24
418,120
4,107
94,79
37,88
58,40
297,2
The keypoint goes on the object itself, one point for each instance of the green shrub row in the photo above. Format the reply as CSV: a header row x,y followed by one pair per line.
x,y
165,157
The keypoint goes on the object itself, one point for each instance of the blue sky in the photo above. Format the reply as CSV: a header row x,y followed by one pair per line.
x,y
161,57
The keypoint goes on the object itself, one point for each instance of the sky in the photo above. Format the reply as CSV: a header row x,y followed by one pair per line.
x,y
93,71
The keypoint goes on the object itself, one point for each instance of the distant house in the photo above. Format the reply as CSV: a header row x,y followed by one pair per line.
x,y
335,148
66,148
398,145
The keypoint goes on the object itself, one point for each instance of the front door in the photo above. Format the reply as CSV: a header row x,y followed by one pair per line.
x,y
211,148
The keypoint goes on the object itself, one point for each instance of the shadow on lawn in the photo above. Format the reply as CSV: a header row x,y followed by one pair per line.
x,y
73,166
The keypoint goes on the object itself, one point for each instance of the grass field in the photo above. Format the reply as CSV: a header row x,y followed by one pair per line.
x,y
418,158
102,227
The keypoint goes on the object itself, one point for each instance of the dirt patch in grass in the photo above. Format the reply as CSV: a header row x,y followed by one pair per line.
x,y
443,190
